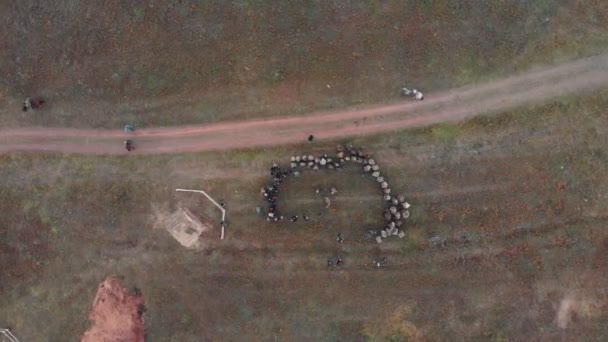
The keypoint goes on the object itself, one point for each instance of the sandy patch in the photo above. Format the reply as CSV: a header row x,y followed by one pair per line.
x,y
116,315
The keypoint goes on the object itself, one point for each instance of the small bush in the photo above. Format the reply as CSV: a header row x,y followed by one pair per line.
x,y
139,13
445,132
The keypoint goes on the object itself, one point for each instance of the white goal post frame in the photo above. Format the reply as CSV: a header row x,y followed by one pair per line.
x,y
212,201
7,333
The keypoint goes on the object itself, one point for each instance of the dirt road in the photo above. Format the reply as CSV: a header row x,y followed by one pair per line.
x,y
533,87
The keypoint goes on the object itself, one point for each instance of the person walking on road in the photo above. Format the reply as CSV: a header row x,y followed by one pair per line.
x,y
339,238
129,145
31,104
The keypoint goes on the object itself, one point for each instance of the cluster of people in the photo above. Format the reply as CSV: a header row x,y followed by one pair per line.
x,y
395,212
394,216
397,207
315,163
414,93
31,104
271,193
337,261
380,262
129,146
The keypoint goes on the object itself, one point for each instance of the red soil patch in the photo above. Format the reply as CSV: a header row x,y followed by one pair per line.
x,y
116,315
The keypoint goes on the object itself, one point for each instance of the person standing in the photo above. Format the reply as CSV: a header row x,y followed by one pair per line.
x,y
129,145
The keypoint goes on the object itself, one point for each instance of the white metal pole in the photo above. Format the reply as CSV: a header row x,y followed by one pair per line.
x,y
8,334
214,202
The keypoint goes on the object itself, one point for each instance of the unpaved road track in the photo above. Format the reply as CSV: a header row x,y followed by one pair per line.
x,y
533,87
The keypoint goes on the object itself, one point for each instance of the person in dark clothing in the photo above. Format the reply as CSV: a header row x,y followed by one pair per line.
x,y
381,262
339,261
129,145
37,103
30,104
311,137
339,238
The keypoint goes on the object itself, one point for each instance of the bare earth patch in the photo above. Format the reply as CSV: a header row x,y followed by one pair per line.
x,y
116,315
581,307
191,230
186,228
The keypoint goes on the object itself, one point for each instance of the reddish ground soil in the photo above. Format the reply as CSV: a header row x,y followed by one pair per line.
x,y
535,86
116,315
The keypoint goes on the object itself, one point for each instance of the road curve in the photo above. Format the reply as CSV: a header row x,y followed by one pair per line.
x,y
533,87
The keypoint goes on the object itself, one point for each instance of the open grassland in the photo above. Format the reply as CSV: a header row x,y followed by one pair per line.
x,y
515,203
518,201
164,63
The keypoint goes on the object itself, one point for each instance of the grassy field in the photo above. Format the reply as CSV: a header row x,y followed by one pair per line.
x,y
164,63
518,199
